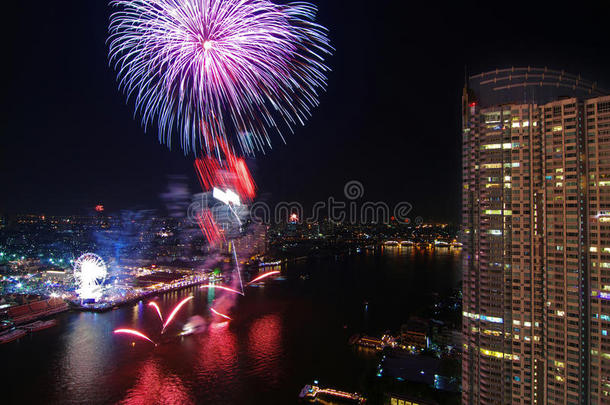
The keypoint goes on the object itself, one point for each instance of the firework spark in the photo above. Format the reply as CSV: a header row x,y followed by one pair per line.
x,y
134,333
208,227
222,288
264,276
241,284
209,68
230,172
155,306
221,315
175,311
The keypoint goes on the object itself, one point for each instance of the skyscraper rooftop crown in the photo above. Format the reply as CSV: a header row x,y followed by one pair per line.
x,y
530,85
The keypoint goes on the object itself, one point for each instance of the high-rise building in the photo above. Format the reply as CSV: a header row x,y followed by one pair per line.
x,y
536,234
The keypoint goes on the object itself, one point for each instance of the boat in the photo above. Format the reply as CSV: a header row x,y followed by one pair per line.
x,y
39,325
267,264
12,335
310,393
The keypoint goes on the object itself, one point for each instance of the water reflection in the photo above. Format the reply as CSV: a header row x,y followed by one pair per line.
x,y
283,335
84,358
265,347
216,353
155,385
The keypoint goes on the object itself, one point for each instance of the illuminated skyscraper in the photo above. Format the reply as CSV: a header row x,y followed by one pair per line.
x,y
536,198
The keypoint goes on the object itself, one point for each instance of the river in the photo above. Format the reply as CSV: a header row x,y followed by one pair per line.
x,y
283,335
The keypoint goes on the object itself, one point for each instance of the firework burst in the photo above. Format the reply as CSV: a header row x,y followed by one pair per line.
x,y
219,70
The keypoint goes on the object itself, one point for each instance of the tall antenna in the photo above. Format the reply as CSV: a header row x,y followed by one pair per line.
x,y
465,75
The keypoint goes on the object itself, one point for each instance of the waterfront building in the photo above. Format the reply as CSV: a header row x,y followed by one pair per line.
x,y
414,334
536,202
396,399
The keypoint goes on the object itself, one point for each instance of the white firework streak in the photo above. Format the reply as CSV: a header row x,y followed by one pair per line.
x,y
241,284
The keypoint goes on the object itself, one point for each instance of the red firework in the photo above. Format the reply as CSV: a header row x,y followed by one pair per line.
x,y
208,227
228,173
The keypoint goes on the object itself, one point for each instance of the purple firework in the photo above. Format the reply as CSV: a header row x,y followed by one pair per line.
x,y
214,68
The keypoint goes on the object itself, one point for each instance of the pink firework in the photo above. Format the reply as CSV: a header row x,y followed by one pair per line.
x,y
134,333
226,171
156,307
264,276
221,315
175,311
222,288
210,68
209,227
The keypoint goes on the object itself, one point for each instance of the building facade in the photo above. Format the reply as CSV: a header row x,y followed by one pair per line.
x,y
536,263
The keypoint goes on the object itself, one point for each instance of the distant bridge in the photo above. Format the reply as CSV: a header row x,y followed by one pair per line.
x,y
407,242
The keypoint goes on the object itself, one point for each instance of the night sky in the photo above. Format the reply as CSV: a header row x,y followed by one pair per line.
x,y
390,117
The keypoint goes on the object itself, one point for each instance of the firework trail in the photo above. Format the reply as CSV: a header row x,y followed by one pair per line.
x,y
134,333
209,227
221,315
209,68
264,276
222,288
155,306
241,284
226,171
175,311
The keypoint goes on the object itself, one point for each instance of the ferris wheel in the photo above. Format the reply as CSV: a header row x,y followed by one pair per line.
x,y
89,274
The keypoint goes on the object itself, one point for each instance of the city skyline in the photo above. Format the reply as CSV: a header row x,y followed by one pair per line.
x,y
277,201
